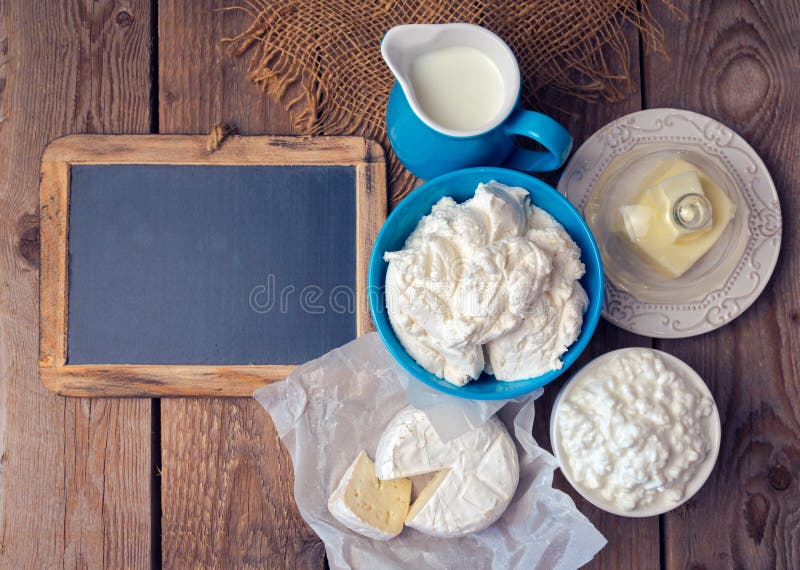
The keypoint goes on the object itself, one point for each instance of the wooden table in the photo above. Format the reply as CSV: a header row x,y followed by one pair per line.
x,y
205,482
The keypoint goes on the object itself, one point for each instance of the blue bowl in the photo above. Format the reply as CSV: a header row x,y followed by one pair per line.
x,y
460,185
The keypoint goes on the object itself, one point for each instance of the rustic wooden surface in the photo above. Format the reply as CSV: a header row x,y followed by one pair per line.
x,y
76,474
226,482
739,62
95,380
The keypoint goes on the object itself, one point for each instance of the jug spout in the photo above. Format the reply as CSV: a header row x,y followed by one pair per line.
x,y
404,45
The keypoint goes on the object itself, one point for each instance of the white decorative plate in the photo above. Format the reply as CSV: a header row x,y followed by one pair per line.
x,y
703,134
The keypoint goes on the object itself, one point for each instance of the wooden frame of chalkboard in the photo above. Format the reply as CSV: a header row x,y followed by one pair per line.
x,y
146,380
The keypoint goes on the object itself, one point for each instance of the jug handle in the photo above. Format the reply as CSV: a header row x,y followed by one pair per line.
x,y
544,130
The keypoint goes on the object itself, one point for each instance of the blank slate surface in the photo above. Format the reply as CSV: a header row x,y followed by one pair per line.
x,y
206,264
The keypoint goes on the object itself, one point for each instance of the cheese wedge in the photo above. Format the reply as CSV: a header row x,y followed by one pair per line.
x,y
363,503
476,474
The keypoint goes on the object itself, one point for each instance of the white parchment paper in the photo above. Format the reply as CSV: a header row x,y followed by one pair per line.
x,y
332,407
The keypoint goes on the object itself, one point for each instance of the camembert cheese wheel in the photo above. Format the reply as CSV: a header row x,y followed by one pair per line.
x,y
476,474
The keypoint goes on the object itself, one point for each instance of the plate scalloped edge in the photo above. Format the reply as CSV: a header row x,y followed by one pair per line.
x,y
754,269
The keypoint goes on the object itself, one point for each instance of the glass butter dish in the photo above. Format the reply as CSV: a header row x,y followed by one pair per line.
x,y
670,223
686,217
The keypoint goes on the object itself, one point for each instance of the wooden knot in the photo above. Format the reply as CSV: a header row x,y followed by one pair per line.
x,y
28,240
218,134
124,19
779,477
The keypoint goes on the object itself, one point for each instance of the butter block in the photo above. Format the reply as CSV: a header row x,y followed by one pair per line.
x,y
651,228
637,219
671,190
365,504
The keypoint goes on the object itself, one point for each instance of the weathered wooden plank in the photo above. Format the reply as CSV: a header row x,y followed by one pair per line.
x,y
153,380
75,473
737,61
371,205
632,543
226,480
53,224
192,149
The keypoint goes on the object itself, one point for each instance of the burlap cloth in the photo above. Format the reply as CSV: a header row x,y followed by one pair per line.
x,y
321,58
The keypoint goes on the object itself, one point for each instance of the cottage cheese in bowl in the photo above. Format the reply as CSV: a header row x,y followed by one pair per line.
x,y
636,432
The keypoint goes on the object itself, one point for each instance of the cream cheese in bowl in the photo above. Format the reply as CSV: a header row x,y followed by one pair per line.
x,y
488,284
636,432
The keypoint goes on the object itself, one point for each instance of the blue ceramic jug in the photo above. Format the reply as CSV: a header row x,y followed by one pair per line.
x,y
429,148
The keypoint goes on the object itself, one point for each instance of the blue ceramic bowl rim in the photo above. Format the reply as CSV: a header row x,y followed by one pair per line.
x,y
377,275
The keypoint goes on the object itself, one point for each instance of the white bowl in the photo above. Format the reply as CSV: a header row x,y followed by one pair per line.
x,y
700,477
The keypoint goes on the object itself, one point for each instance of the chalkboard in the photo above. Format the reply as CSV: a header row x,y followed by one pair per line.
x,y
210,264
197,272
